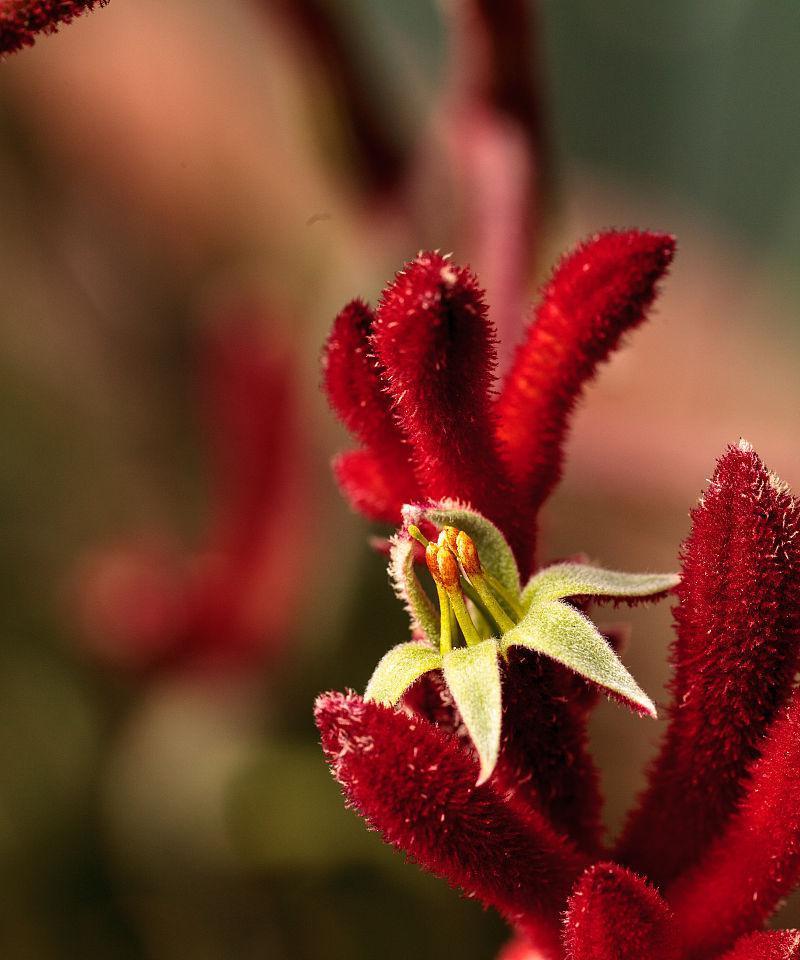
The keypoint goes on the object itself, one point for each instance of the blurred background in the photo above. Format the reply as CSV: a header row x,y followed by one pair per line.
x,y
189,191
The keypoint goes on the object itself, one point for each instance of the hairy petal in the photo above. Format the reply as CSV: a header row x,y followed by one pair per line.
x,y
582,580
421,611
437,346
352,380
472,675
736,653
399,668
755,861
430,699
370,487
615,915
416,786
774,945
597,293
563,633
21,20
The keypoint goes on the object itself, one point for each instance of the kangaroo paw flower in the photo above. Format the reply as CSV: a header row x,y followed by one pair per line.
x,y
415,382
596,294
735,656
754,863
493,614
379,478
416,786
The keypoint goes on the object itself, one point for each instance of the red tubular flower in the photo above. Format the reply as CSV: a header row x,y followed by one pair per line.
x,y
596,294
416,785
735,657
615,915
755,862
379,476
436,346
21,20
435,349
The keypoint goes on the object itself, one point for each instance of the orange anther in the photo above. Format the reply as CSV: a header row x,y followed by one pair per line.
x,y
431,558
448,568
467,553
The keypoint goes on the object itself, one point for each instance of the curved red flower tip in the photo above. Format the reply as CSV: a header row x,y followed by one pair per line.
x,y
615,915
378,479
597,293
416,786
774,945
755,862
735,657
368,487
437,347
21,20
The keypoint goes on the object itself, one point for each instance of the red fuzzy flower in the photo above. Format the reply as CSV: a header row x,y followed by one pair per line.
x,y
415,384
21,20
713,845
735,657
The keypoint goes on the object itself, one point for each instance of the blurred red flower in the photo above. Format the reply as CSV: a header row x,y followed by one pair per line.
x,y
229,603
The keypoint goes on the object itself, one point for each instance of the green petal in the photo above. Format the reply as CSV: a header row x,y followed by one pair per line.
x,y
578,580
398,669
561,632
473,677
408,588
493,548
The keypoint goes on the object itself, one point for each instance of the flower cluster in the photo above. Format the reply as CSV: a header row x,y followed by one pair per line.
x,y
21,20
472,758
413,382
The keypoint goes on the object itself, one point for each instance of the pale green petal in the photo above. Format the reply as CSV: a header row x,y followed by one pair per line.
x,y
473,677
579,579
398,669
493,549
561,632
408,588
